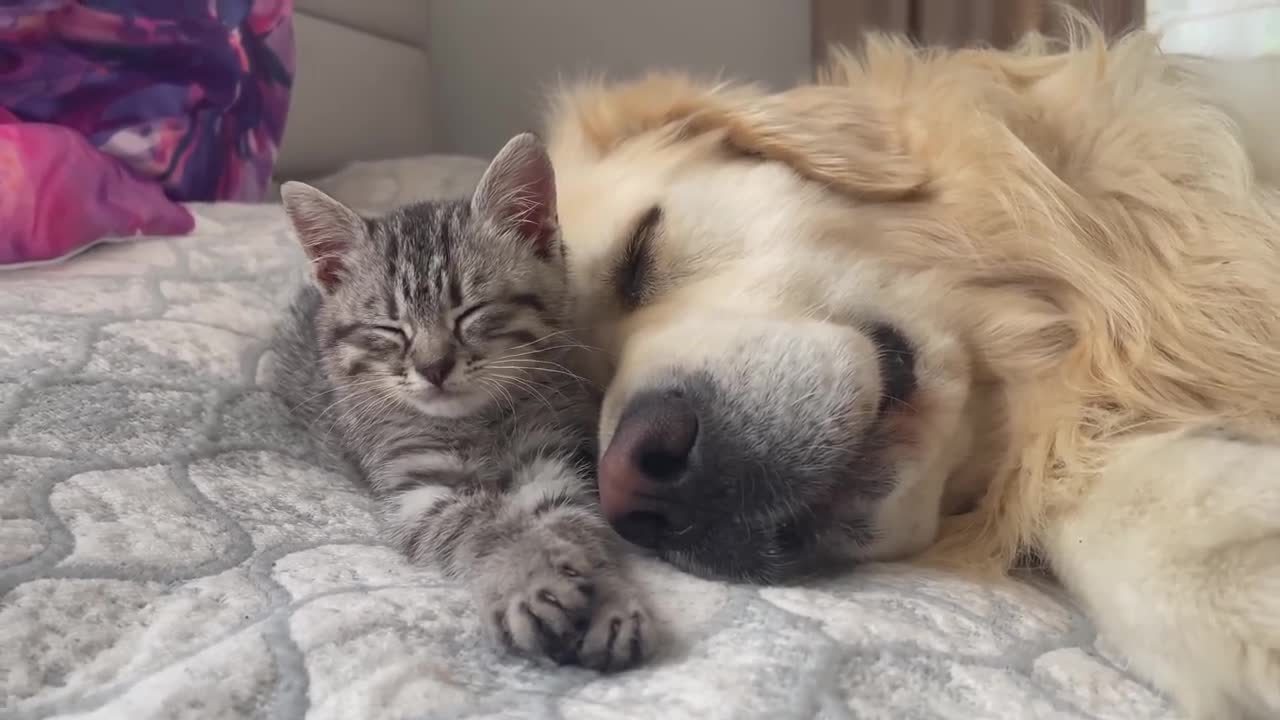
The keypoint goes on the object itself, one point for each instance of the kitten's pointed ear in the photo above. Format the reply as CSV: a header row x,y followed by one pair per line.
x,y
519,191
326,228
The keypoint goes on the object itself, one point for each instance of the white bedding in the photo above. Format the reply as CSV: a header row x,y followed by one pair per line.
x,y
169,549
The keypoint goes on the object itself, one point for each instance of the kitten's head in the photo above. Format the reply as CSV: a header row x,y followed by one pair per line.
x,y
446,305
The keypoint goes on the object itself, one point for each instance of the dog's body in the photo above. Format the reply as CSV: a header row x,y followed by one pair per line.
x,y
974,304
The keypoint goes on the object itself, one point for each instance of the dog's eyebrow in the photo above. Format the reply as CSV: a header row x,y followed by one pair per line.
x,y
633,274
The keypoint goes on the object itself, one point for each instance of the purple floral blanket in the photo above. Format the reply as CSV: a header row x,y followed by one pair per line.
x,y
114,112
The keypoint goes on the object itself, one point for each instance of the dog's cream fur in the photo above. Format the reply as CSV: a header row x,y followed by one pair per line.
x,y
1086,245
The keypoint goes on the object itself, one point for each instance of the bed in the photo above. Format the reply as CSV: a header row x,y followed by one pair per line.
x,y
169,548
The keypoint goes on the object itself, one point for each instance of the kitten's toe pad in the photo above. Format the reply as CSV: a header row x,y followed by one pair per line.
x,y
621,634
570,606
541,611
544,620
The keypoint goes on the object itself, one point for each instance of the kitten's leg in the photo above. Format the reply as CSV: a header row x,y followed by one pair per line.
x,y
1176,554
546,568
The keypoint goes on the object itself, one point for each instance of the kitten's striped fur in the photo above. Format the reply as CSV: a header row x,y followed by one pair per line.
x,y
488,476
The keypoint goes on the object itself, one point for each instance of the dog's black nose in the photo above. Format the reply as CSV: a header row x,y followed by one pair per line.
x,y
642,471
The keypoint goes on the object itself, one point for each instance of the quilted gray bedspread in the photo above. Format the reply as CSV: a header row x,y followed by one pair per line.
x,y
169,549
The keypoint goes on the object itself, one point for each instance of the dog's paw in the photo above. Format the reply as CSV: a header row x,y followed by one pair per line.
x,y
1176,555
1231,669
558,603
1218,652
1238,681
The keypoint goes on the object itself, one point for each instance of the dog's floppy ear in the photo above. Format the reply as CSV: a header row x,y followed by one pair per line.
x,y
835,135
842,136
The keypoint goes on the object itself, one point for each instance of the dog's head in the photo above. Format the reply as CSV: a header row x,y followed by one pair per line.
x,y
830,315
778,395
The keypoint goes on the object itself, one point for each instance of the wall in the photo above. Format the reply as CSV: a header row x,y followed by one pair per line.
x,y
493,60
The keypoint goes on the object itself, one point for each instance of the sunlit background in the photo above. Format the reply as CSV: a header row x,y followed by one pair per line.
x,y
1217,27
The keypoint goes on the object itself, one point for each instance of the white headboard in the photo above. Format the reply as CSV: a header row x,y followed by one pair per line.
x,y
362,90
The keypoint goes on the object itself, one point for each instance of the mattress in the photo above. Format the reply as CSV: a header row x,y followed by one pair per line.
x,y
170,548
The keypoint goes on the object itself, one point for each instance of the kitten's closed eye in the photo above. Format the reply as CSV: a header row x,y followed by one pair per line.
x,y
376,338
344,333
467,319
505,320
391,331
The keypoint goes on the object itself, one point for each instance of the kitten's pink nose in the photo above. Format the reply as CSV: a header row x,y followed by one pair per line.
x,y
437,371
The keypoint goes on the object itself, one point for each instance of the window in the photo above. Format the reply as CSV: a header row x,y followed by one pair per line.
x,y
1229,28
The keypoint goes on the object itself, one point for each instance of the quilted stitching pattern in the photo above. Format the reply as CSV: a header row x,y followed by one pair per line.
x,y
167,549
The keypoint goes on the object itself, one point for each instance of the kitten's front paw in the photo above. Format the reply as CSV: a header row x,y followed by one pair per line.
x,y
571,610
543,615
621,634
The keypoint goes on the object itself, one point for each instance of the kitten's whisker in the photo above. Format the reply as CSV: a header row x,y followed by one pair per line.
x,y
351,413
541,366
572,331
530,363
348,386
574,341
539,339
554,371
387,411
528,386
522,358
525,376
489,394
539,350
357,414
511,401
499,396
353,397
345,398
536,351
492,388
536,365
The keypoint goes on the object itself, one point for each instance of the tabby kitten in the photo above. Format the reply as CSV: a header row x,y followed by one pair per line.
x,y
432,352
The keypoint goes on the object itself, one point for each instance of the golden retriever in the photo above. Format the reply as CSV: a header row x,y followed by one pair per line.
x,y
972,306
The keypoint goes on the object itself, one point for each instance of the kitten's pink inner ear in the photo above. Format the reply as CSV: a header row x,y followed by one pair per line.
x,y
326,261
537,222
519,190
325,228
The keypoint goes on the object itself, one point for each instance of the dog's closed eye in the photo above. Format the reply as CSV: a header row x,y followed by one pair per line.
x,y
633,274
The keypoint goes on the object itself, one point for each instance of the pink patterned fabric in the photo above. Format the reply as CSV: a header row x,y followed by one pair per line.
x,y
59,194
112,112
